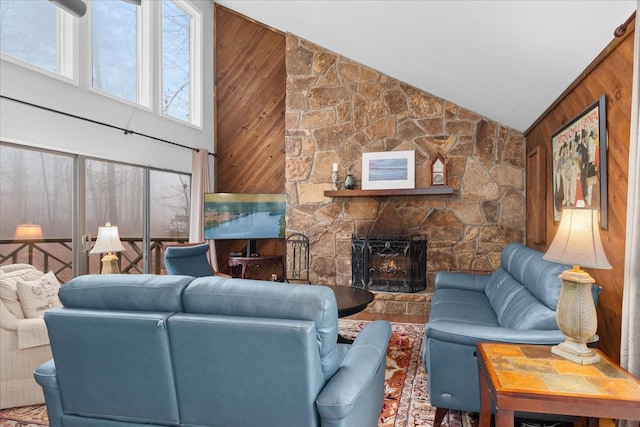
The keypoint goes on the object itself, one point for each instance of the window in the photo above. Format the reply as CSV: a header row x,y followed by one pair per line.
x,y
115,48
126,49
175,60
37,33
170,195
37,189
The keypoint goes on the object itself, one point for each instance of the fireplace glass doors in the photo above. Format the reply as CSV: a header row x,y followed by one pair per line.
x,y
389,263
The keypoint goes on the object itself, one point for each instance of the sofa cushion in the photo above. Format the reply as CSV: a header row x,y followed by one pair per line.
x,y
137,292
9,268
114,365
457,305
38,296
9,288
538,275
256,298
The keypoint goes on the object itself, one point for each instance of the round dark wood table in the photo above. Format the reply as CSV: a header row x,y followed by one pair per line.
x,y
350,300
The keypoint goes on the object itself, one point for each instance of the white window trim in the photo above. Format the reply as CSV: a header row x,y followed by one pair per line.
x,y
68,46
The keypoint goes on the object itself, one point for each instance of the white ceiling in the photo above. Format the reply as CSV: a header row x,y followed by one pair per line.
x,y
507,60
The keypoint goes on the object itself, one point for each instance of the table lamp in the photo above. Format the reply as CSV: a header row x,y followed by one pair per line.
x,y
108,241
28,232
577,242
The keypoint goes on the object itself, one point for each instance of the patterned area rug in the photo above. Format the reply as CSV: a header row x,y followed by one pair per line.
x,y
406,402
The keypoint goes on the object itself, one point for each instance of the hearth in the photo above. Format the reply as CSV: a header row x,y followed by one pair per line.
x,y
389,263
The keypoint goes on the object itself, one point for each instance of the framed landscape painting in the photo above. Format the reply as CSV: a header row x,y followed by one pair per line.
x,y
388,170
579,169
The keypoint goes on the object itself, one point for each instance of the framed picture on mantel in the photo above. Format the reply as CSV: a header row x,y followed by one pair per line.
x,y
579,172
389,170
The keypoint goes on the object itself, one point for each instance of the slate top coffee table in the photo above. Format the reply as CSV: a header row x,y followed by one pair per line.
x,y
350,300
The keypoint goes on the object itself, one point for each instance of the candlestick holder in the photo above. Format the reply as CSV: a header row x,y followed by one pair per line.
x,y
334,179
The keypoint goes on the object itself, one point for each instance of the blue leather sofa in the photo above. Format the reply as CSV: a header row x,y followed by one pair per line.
x,y
140,350
516,304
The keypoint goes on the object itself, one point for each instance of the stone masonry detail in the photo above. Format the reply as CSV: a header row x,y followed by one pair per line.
x,y
336,109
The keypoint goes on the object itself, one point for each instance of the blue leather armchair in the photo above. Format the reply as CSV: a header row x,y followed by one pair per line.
x,y
188,260
140,350
516,304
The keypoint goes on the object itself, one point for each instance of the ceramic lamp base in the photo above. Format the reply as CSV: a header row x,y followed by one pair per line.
x,y
576,352
576,317
110,264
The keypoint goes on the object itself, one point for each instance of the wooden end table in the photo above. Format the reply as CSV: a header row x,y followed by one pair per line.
x,y
254,261
529,378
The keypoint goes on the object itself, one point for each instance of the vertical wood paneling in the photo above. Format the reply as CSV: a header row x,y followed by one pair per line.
x,y
613,77
250,79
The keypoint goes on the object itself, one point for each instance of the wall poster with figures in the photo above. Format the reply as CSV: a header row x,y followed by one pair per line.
x,y
579,169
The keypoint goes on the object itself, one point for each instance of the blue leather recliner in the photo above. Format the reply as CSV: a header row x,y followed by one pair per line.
x,y
515,305
140,350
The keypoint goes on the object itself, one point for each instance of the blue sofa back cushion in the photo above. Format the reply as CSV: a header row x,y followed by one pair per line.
x,y
133,292
256,298
524,291
103,336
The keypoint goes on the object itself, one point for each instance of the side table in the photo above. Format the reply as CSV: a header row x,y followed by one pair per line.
x,y
529,378
254,261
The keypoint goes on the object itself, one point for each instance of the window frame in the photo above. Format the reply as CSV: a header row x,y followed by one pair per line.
x,y
67,53
196,54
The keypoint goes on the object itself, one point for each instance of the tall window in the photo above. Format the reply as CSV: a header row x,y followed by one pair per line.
x,y
29,32
36,190
115,48
170,198
176,61
36,194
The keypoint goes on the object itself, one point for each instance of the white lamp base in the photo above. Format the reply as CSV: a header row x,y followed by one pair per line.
x,y
110,264
576,352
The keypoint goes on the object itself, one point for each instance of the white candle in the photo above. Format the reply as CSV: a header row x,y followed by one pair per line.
x,y
335,167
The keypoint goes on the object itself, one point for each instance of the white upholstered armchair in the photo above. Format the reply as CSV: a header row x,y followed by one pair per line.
x,y
24,343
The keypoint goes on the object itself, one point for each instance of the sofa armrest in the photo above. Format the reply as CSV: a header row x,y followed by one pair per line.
x,y
356,391
470,334
464,281
46,376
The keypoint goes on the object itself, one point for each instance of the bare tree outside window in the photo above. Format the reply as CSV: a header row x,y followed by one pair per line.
x,y
170,195
115,53
114,193
28,31
176,67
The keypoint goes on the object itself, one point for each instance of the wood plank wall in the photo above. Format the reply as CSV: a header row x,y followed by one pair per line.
x,y
250,76
609,74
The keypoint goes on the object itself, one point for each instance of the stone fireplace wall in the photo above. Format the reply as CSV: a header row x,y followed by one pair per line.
x,y
336,109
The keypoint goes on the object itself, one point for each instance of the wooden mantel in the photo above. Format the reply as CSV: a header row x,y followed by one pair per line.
x,y
428,191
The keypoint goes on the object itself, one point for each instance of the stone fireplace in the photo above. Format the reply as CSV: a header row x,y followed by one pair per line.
x,y
338,109
389,263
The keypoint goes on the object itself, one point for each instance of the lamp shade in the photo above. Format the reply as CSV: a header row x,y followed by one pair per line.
x,y
577,241
108,240
28,232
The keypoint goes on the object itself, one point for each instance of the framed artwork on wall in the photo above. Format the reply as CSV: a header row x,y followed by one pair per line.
x,y
389,169
579,162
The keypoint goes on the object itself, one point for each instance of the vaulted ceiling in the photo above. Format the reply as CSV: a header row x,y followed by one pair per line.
x,y
507,60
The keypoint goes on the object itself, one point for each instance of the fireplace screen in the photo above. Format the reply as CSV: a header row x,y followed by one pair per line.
x,y
394,264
